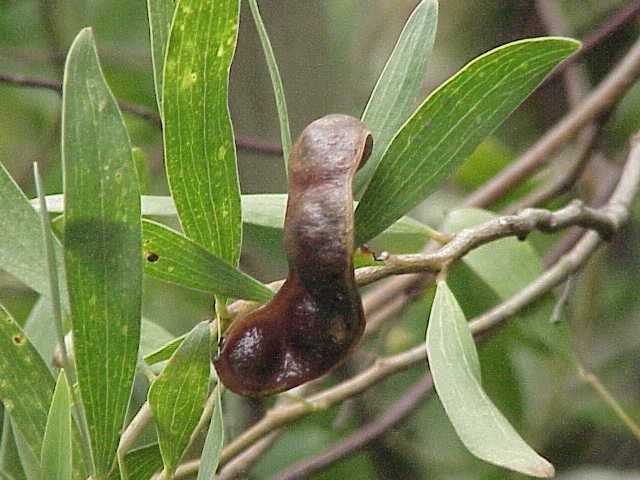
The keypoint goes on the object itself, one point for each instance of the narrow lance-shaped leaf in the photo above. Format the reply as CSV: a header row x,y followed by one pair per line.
x,y
450,124
199,142
21,246
395,95
177,259
213,443
455,367
56,448
26,384
276,80
160,15
103,247
165,351
178,395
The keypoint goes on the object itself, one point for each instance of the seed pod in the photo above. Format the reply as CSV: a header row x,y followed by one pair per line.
x,y
316,318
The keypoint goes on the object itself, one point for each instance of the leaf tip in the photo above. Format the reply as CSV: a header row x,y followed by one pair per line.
x,y
544,469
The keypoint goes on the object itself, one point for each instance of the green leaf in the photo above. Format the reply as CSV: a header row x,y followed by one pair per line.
x,y
455,367
450,124
10,464
164,353
103,247
160,16
264,210
26,384
199,143
213,443
276,80
40,329
56,446
21,248
52,266
506,266
142,463
178,395
153,337
174,258
30,462
141,162
395,95
268,210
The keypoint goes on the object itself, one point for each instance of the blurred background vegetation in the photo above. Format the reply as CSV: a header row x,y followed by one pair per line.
x,y
330,53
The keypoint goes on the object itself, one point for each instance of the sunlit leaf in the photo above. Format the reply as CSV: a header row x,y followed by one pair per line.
x,y
174,258
160,16
103,247
26,384
200,151
178,395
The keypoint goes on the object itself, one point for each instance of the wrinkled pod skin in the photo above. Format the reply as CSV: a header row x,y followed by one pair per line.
x,y
316,318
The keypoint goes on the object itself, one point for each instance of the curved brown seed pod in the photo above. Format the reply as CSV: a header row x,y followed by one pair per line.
x,y
316,318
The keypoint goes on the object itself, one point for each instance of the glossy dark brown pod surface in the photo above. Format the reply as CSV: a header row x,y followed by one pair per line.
x,y
316,318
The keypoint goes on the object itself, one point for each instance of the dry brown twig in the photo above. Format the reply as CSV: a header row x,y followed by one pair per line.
x,y
138,110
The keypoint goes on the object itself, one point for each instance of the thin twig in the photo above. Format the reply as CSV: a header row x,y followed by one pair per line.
x,y
563,299
593,40
576,86
601,100
396,414
576,83
607,180
618,207
519,225
242,463
594,382
138,110
131,433
564,181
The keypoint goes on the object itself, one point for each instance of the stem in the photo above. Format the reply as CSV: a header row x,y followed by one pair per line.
x,y
52,270
592,380
133,431
138,110
359,439
54,297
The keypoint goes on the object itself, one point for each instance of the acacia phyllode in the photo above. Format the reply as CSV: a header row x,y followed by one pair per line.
x,y
316,318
